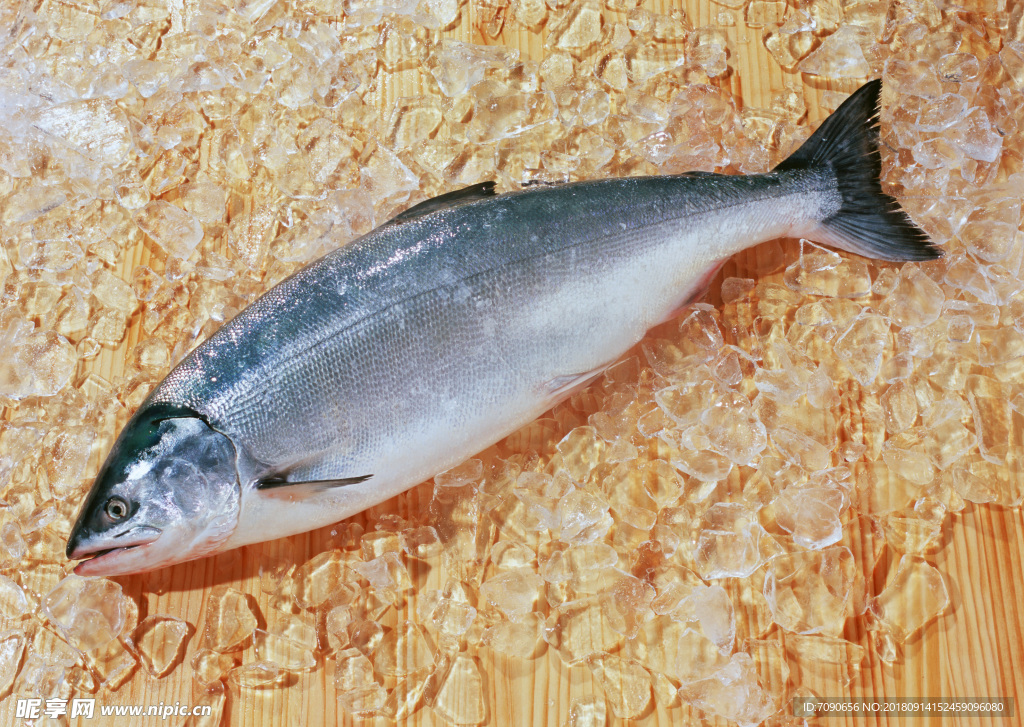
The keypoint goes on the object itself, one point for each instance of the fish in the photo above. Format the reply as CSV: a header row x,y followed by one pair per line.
x,y
448,327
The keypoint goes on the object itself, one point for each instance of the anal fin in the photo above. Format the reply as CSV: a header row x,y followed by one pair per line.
x,y
561,387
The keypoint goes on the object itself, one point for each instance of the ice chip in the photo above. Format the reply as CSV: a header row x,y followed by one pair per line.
x,y
732,692
353,672
319,578
97,128
281,651
584,518
823,662
385,573
861,345
626,684
581,451
731,543
580,629
230,622
469,472
822,272
501,113
811,515
258,675
840,55
513,592
13,602
578,29
916,301
788,49
460,698
210,667
809,593
519,639
456,66
37,363
160,641
89,611
588,712
170,227
422,543
915,595
112,292
402,652
709,609
734,430
12,647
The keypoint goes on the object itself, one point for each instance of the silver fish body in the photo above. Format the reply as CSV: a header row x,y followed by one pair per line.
x,y
430,338
425,341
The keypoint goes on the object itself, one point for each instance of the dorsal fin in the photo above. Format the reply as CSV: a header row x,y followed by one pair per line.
x,y
451,199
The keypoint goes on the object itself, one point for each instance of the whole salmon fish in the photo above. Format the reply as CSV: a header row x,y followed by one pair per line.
x,y
440,332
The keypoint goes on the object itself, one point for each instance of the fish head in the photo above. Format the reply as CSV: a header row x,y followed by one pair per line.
x,y
168,492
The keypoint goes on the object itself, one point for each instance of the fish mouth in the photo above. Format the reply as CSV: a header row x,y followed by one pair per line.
x,y
106,561
99,562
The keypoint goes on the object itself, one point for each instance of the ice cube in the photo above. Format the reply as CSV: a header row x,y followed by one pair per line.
x,y
513,592
320,577
460,697
258,675
230,622
519,639
915,595
731,692
810,593
12,647
731,543
626,684
841,55
160,641
281,651
170,227
577,29
402,652
670,647
37,363
580,629
456,66
90,612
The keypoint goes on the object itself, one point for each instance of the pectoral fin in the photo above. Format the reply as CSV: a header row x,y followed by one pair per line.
x,y
275,486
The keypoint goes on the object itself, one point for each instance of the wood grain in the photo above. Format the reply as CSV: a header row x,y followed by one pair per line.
x,y
974,650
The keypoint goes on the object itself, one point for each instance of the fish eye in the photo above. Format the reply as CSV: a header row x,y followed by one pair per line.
x,y
117,509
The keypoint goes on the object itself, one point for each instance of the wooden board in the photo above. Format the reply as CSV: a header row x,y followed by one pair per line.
x,y
974,650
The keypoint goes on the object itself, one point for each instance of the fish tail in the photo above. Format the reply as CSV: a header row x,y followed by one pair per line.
x,y
869,221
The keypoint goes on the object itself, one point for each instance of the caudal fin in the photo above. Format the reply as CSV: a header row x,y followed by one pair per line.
x,y
870,222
